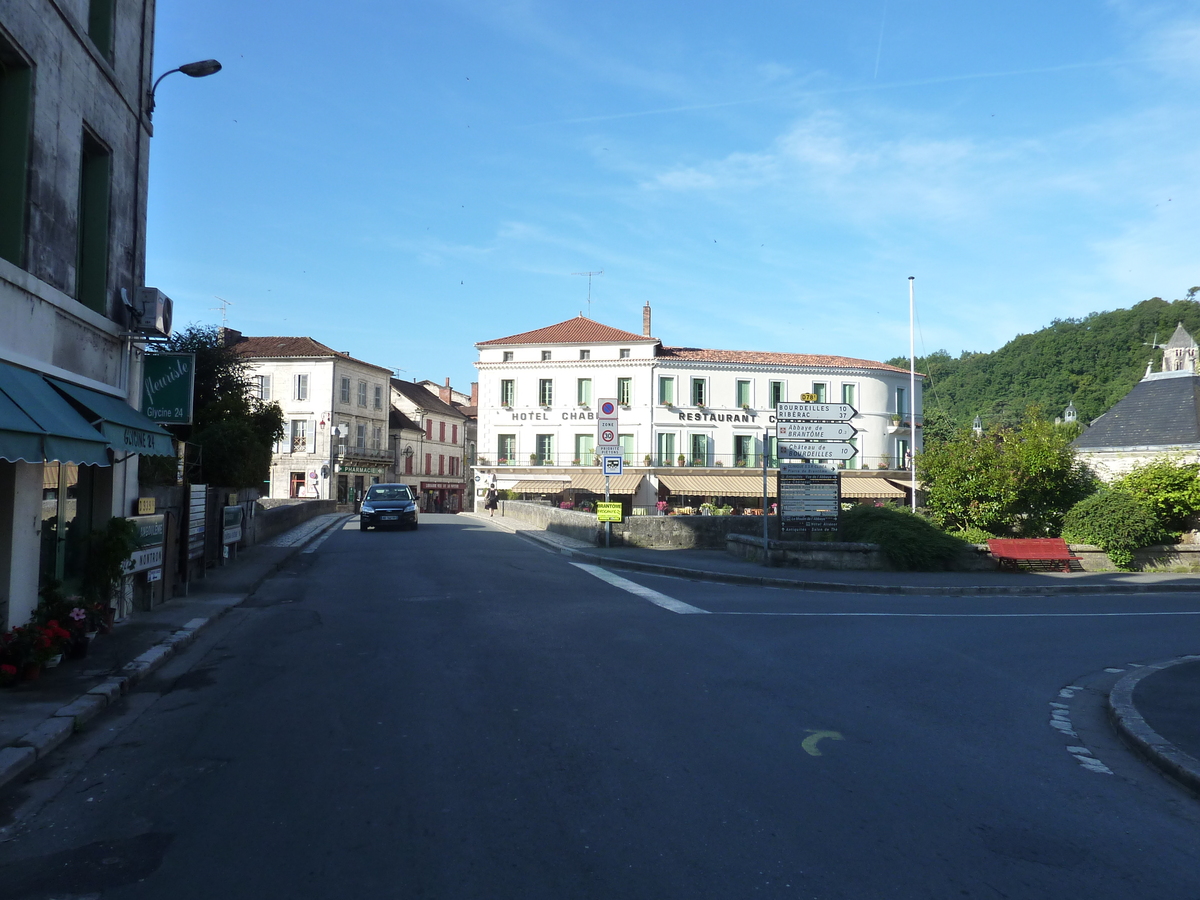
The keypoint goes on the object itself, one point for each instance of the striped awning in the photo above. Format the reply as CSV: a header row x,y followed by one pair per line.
x,y
723,485
593,482
871,489
538,487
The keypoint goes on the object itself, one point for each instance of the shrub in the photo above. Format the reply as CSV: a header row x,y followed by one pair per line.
x,y
973,535
1171,490
1116,522
908,542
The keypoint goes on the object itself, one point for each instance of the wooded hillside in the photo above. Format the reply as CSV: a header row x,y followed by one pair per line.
x,y
1091,362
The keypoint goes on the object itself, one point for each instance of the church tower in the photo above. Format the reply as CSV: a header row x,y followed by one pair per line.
x,y
1179,354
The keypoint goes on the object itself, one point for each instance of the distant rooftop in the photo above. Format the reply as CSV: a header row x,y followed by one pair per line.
x,y
580,330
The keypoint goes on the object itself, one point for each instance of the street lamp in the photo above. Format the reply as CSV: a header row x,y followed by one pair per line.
x,y
201,69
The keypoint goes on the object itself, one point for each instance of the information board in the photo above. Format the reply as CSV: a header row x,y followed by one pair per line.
x,y
809,498
197,494
151,532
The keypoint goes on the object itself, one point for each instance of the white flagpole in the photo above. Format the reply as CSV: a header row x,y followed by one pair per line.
x,y
912,391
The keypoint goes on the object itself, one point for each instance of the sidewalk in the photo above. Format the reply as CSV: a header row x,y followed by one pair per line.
x,y
716,565
1156,710
36,717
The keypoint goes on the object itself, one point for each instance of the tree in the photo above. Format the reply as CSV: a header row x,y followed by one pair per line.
x,y
938,427
1018,480
234,429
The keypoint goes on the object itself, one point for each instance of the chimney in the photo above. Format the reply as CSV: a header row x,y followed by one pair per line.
x,y
229,336
474,393
646,319
444,392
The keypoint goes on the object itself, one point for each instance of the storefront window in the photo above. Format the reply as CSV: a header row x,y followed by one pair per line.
x,y
68,499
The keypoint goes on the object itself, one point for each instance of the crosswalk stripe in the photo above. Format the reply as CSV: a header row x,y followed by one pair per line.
x,y
670,603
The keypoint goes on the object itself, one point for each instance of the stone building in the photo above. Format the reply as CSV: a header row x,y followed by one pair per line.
x,y
1160,417
74,151
437,456
335,411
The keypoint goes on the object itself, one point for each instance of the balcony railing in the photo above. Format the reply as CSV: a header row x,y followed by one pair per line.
x,y
367,453
726,461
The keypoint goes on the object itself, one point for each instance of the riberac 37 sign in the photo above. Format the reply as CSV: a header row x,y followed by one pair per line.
x,y
168,380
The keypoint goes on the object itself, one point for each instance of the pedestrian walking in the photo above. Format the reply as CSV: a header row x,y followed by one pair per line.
x,y
493,500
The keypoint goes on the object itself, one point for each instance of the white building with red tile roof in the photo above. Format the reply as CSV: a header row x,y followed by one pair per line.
x,y
685,413
335,411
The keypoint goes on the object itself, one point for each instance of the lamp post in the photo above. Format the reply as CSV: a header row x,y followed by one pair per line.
x,y
201,69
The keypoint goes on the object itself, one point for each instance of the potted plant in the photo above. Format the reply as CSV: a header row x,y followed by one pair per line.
x,y
682,460
575,461
647,460
533,459
110,548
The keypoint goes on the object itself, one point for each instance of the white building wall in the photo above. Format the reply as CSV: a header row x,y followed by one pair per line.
x,y
645,418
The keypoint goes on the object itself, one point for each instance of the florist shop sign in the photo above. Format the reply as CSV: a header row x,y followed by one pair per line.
x,y
168,380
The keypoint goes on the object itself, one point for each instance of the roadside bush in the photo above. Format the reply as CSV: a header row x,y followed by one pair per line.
x,y
1170,489
909,543
1116,522
973,535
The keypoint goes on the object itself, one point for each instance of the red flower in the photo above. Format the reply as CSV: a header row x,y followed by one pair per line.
x,y
8,670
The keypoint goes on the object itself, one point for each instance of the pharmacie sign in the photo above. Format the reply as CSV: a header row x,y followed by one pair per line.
x,y
168,381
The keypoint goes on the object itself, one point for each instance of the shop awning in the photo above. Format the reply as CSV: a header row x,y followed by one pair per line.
x,y
871,489
127,429
38,425
593,482
539,487
723,485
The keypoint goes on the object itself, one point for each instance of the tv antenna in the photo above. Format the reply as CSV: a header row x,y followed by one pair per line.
x,y
223,309
589,278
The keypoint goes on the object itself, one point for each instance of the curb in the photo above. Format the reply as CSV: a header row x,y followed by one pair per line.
x,y
67,720
1137,733
838,587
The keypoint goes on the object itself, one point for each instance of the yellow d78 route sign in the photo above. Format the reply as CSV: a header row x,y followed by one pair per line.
x,y
608,512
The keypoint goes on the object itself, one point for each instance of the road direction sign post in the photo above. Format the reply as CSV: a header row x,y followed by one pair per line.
x,y
816,431
807,450
814,412
608,445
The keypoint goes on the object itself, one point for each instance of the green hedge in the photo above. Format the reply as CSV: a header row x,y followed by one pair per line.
x,y
909,543
1114,521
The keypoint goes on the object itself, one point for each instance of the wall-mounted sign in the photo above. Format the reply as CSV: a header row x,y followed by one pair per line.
x,y
168,381
151,532
231,521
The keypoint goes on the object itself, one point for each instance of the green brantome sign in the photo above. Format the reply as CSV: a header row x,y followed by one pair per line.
x,y
167,383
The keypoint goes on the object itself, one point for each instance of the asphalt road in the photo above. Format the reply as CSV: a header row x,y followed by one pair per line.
x,y
459,713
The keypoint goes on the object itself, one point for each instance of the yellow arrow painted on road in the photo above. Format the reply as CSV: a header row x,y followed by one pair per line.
x,y
810,742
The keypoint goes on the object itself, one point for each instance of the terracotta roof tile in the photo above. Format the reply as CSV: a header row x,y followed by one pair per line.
x,y
580,330
759,357
288,347
425,399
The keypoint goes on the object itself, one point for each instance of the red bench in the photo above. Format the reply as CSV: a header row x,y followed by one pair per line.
x,y
1034,553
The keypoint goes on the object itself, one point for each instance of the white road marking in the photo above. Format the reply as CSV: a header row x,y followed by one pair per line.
x,y
1113,671
312,548
902,615
670,603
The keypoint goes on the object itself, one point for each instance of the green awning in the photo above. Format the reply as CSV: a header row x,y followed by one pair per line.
x,y
127,429
38,425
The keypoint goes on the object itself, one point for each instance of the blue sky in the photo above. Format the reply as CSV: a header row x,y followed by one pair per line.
x,y
402,180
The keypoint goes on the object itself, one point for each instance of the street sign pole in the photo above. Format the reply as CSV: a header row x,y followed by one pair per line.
x,y
607,525
766,520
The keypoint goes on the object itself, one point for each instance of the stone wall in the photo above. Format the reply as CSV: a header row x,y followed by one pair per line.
x,y
579,525
809,554
688,532
269,521
1169,556
656,532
